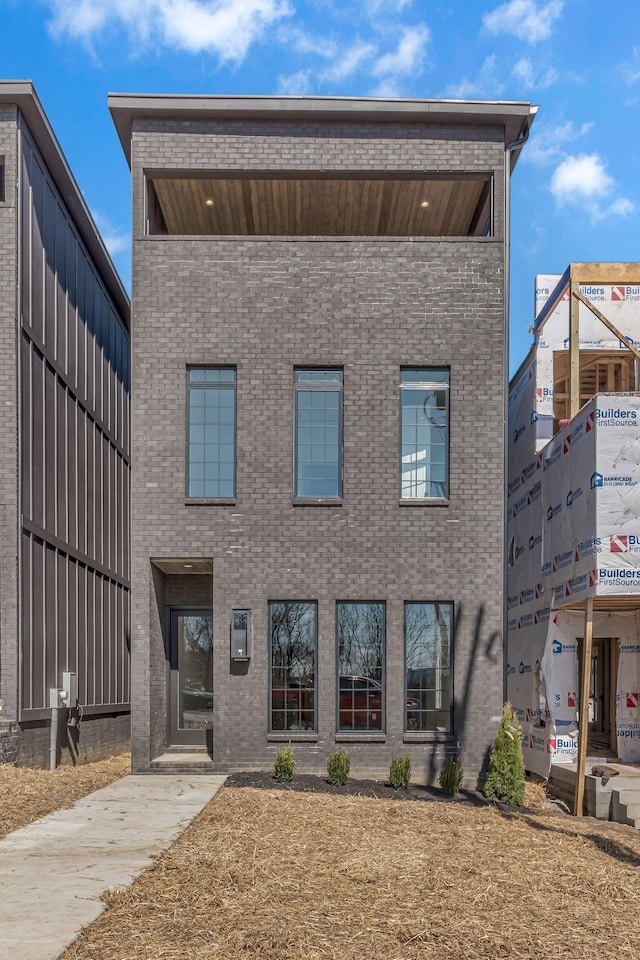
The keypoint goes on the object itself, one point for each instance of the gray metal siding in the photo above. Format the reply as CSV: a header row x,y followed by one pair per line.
x,y
74,421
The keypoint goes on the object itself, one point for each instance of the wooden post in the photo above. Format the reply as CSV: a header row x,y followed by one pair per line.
x,y
583,703
574,351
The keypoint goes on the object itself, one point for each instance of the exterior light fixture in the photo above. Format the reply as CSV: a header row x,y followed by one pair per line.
x,y
187,566
424,204
209,202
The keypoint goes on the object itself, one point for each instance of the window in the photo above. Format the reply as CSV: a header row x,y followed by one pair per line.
x,y
211,431
424,403
427,643
293,639
318,433
361,666
2,194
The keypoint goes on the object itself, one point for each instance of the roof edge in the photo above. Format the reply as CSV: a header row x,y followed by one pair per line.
x,y
22,93
125,107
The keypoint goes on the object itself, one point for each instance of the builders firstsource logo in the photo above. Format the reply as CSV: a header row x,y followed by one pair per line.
x,y
616,417
620,293
624,543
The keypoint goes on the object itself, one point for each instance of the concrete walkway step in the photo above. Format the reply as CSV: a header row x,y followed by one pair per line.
x,y
183,762
53,872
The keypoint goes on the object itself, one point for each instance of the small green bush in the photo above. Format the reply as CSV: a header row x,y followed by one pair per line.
x,y
338,765
284,765
505,780
400,772
451,775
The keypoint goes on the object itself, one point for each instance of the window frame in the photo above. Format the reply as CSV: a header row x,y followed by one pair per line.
x,y
426,383
418,732
271,730
367,731
319,386
226,385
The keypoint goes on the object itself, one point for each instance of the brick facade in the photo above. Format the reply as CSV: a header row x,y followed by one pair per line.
x,y
370,306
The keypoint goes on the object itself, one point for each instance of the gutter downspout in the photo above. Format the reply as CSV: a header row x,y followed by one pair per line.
x,y
54,703
508,150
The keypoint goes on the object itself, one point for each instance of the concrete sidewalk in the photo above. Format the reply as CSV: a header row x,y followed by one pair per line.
x,y
53,872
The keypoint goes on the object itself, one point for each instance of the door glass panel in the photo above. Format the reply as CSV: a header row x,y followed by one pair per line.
x,y
195,672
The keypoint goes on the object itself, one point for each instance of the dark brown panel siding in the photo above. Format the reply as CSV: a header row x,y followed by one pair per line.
x,y
75,458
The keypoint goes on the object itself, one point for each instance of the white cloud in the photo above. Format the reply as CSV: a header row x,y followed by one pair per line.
x,y
116,240
386,6
409,56
580,178
631,68
525,18
307,43
348,62
524,72
485,85
582,181
296,84
225,28
548,143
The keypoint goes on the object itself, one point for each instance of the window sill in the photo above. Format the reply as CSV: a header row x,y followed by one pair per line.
x,y
295,736
427,736
345,737
424,502
317,502
210,501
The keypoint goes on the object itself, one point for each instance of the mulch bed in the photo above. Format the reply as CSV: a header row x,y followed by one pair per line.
x,y
311,872
26,794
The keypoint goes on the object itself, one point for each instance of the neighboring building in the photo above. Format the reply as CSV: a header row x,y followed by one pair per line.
x,y
64,471
319,393
574,509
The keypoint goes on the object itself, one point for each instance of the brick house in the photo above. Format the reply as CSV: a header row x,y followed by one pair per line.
x,y
319,370
64,470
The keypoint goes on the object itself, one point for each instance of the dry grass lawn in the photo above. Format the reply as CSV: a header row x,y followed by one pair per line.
x,y
275,874
26,795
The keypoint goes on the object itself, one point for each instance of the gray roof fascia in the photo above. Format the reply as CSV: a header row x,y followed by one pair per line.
x,y
515,116
22,93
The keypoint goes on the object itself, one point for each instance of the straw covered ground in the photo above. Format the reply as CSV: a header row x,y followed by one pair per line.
x,y
26,795
270,873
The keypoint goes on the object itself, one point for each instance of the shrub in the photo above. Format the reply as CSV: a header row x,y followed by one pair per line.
x,y
338,767
505,780
284,765
451,775
400,772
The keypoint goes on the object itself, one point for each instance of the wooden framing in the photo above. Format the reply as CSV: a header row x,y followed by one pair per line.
x,y
583,723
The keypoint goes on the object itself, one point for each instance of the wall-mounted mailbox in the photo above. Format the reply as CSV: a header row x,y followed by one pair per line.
x,y
240,634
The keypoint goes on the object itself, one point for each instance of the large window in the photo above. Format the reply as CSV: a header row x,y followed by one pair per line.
x,y
293,639
361,666
427,642
318,433
424,401
211,440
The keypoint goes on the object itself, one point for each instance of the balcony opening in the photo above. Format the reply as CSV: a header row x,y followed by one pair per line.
x,y
286,204
600,372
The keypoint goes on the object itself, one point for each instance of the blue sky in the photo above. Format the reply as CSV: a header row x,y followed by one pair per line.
x,y
576,190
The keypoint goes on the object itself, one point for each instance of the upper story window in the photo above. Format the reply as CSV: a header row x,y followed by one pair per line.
x,y
318,433
2,189
211,432
424,412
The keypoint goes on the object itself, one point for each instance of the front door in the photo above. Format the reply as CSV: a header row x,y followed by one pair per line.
x,y
191,709
602,694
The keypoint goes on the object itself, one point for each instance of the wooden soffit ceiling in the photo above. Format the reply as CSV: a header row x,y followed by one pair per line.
x,y
288,206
